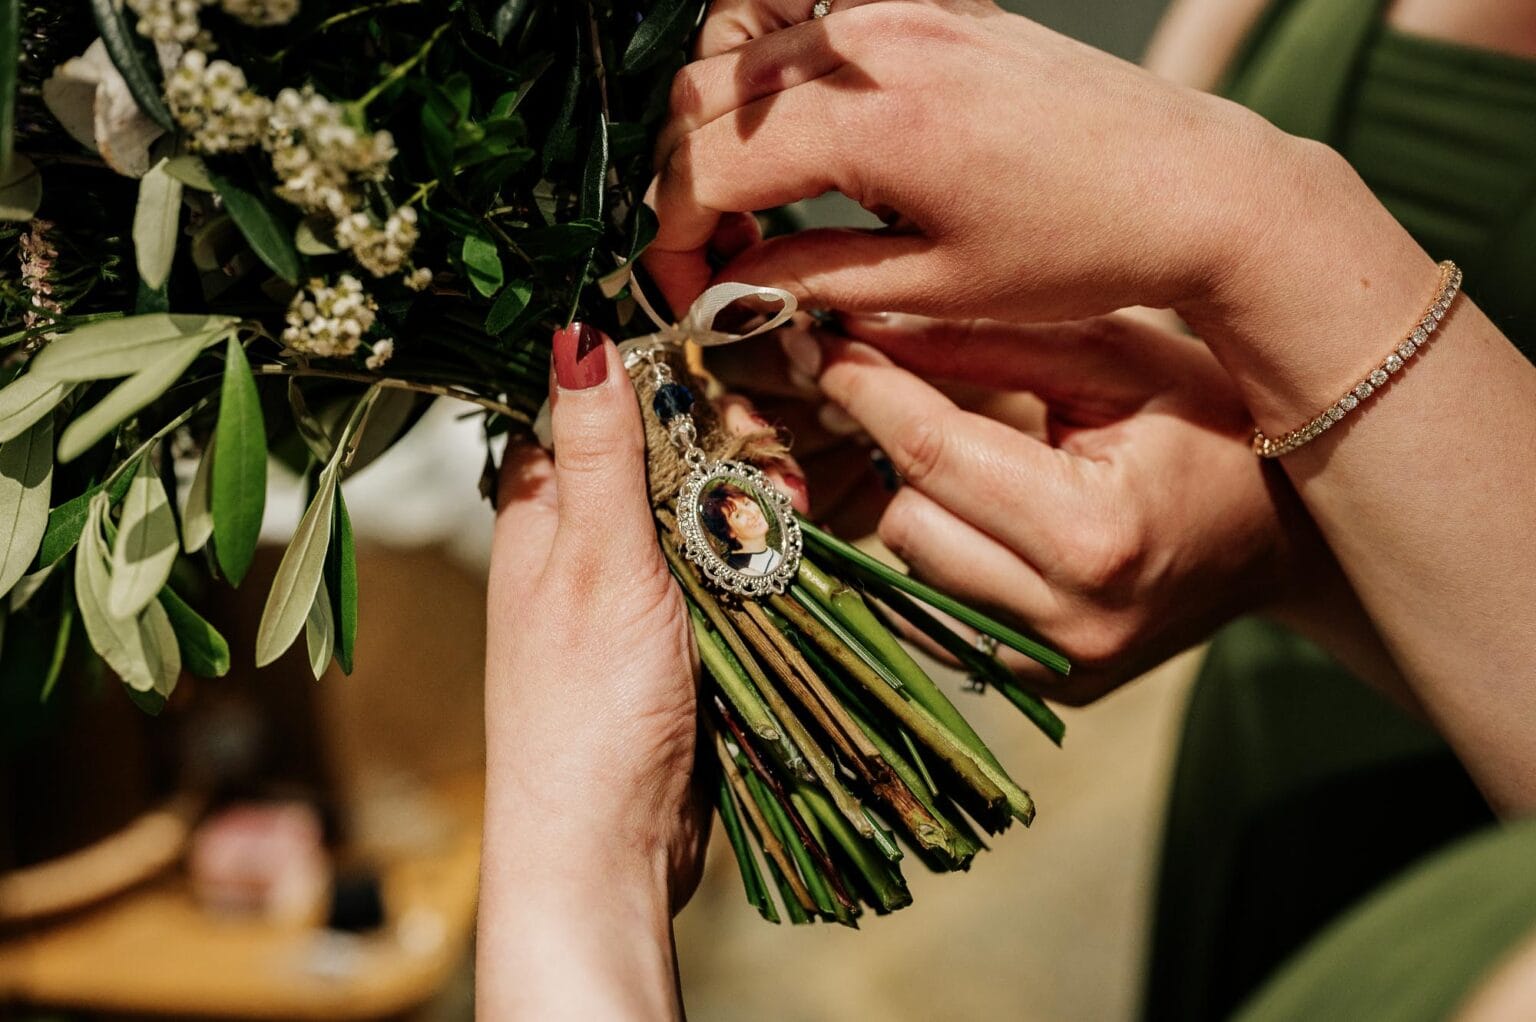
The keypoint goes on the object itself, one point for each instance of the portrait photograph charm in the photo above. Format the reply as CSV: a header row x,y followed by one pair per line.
x,y
739,529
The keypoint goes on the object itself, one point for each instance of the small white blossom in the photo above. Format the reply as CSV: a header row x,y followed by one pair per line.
x,y
382,352
168,21
379,249
316,153
213,102
330,320
261,13
419,279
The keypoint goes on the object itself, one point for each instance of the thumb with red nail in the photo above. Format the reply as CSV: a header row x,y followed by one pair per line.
x,y
594,831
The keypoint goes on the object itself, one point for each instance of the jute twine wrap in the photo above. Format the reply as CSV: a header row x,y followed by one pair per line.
x,y
667,470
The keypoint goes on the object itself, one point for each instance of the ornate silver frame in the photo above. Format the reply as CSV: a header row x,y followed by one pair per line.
x,y
696,546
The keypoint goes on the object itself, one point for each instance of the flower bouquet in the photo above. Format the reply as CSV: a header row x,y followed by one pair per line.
x,y
217,249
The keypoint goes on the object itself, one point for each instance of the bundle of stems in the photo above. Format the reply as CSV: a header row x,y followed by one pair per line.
x,y
837,752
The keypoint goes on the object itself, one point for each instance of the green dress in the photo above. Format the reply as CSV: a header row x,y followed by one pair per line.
x,y
1297,790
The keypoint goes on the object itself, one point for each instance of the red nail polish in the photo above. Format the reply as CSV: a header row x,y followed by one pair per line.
x,y
581,357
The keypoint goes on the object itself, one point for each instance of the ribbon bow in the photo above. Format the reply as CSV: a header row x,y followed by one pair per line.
x,y
698,324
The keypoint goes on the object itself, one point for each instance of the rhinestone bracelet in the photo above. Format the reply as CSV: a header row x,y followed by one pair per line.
x,y
1275,446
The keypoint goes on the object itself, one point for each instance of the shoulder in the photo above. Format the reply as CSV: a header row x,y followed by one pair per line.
x,y
1197,40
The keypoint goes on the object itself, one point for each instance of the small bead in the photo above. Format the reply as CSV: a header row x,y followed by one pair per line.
x,y
1393,363
1349,402
1406,349
1420,335
672,400
1364,390
1337,412
1378,377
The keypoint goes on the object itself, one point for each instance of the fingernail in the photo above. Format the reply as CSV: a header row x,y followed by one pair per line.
x,y
742,420
581,360
804,355
836,421
799,491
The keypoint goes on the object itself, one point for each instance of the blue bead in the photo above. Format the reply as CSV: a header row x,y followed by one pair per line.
x,y
672,400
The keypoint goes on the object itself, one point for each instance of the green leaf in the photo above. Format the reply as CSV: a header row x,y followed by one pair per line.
x,y
25,400
129,396
21,189
320,631
122,346
341,582
268,237
561,241
26,479
560,144
663,32
155,222
61,638
504,310
197,512
483,263
307,239
124,51
66,521
10,53
142,650
300,574
240,470
190,170
146,544
29,585
203,649
507,17
594,176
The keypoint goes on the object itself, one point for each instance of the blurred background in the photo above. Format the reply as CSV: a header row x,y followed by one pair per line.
x,y
336,876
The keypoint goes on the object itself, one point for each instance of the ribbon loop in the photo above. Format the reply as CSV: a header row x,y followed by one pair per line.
x,y
698,324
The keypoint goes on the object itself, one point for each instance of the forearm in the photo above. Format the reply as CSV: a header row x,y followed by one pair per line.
x,y
571,926
1427,492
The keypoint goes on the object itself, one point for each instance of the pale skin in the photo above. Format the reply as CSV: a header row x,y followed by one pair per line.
x,y
1141,192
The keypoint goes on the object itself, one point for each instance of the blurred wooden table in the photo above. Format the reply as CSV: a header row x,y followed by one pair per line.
x,y
152,951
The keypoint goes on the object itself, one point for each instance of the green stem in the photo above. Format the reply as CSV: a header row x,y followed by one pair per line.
x,y
733,682
400,70
396,383
866,565
890,892
751,877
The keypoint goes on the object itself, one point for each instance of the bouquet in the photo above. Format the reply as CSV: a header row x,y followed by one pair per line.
x,y
236,231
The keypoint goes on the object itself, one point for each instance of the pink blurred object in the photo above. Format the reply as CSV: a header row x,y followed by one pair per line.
x,y
261,859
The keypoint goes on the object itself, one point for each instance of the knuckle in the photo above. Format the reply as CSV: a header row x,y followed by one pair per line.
x,y
686,97
898,528
917,448
680,162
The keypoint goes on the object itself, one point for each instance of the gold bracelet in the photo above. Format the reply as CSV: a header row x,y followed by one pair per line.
x,y
1450,285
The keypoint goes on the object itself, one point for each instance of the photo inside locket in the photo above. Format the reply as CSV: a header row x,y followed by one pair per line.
x,y
742,527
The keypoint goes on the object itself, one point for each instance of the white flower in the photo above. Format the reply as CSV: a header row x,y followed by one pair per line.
x,y
382,352
168,21
330,320
89,97
261,13
213,102
379,249
316,153
419,279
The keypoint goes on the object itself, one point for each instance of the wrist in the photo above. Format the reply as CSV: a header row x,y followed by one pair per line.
x,y
1312,285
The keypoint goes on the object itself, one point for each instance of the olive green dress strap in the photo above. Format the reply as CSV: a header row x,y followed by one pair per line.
x,y
1328,38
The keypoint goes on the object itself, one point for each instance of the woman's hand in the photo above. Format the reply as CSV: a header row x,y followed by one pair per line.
x,y
1137,525
1026,176
594,833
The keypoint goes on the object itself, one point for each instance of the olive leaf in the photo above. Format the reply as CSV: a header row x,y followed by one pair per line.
x,y
203,650
301,571
239,490
190,170
341,583
320,631
67,521
268,237
122,346
125,56
10,51
142,650
27,587
146,544
507,17
560,144
504,310
661,33
132,394
155,222
25,400
26,478
197,511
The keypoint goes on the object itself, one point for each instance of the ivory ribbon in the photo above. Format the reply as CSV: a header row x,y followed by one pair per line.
x,y
697,325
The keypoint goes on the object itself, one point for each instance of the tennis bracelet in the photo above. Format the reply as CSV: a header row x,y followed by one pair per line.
x,y
1275,446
